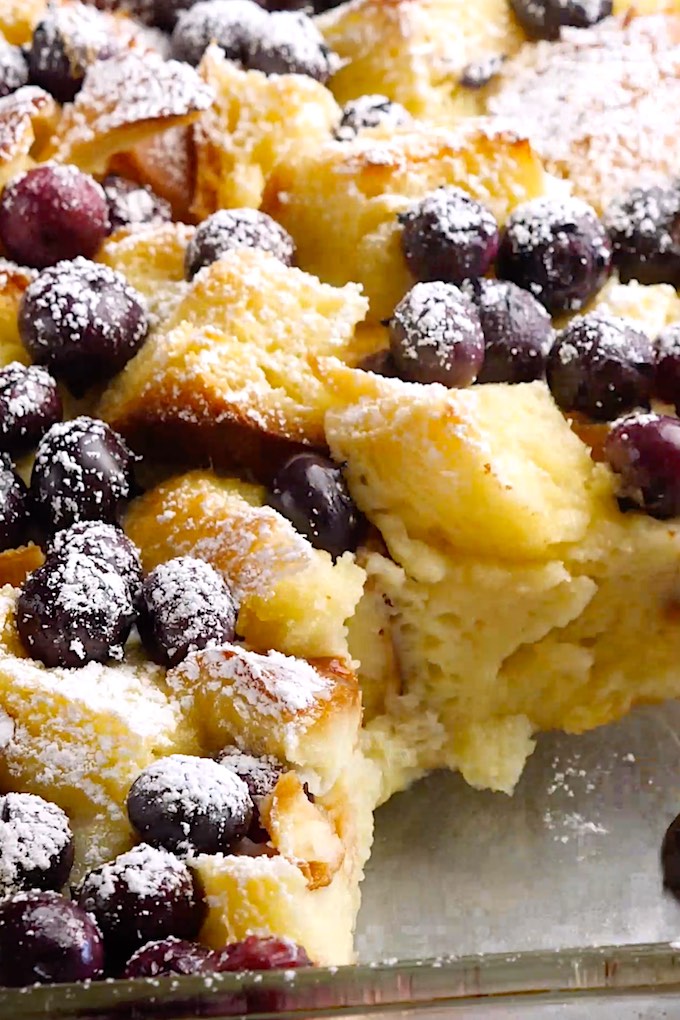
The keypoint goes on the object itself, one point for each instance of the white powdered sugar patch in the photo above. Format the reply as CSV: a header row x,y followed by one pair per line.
x,y
436,317
600,336
370,111
457,216
187,786
144,871
33,834
646,214
230,24
601,106
190,600
292,40
16,112
543,220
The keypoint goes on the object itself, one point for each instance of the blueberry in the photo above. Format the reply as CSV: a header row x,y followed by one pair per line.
x,y
558,250
36,844
311,492
258,952
67,40
644,227
29,405
169,956
186,605
260,776
644,449
479,73
189,805
13,68
517,332
229,229
602,366
448,236
290,43
436,336
143,895
52,212
14,507
74,610
132,205
670,858
231,24
104,542
82,472
370,111
380,363
543,19
47,939
83,321
161,13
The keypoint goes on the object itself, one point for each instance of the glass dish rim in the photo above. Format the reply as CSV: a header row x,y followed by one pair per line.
x,y
380,988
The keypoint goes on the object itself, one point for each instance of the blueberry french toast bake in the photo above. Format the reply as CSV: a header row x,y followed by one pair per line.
x,y
339,379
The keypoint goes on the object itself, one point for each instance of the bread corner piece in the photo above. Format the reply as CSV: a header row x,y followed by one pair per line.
x,y
231,377
523,599
341,201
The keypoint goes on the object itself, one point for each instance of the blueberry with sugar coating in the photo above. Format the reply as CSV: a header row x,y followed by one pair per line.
x,y
65,42
448,236
52,212
102,541
644,227
14,507
558,250
143,895
133,205
36,844
370,111
189,805
82,472
29,405
47,939
543,19
436,336
74,610
644,450
290,43
169,956
231,24
602,366
82,320
311,492
260,774
186,605
228,229
13,68
517,331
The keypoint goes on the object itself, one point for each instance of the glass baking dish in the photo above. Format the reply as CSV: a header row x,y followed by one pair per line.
x,y
544,906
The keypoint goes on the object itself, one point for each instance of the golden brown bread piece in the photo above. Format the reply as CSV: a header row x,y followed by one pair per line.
x,y
27,118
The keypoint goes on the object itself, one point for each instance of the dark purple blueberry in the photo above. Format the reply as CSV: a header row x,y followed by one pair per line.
x,y
644,227
543,19
290,43
380,363
262,952
558,250
47,939
36,844
143,895
170,956
260,776
52,212
667,376
436,336
14,507
29,405
186,605
231,24
670,858
82,472
74,610
369,112
311,492
644,449
104,542
479,73
189,805
67,40
13,68
448,236
602,366
229,229
132,205
82,320
161,13
517,332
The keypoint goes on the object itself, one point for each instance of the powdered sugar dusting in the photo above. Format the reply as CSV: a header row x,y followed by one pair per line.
x,y
16,113
260,774
144,871
33,833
